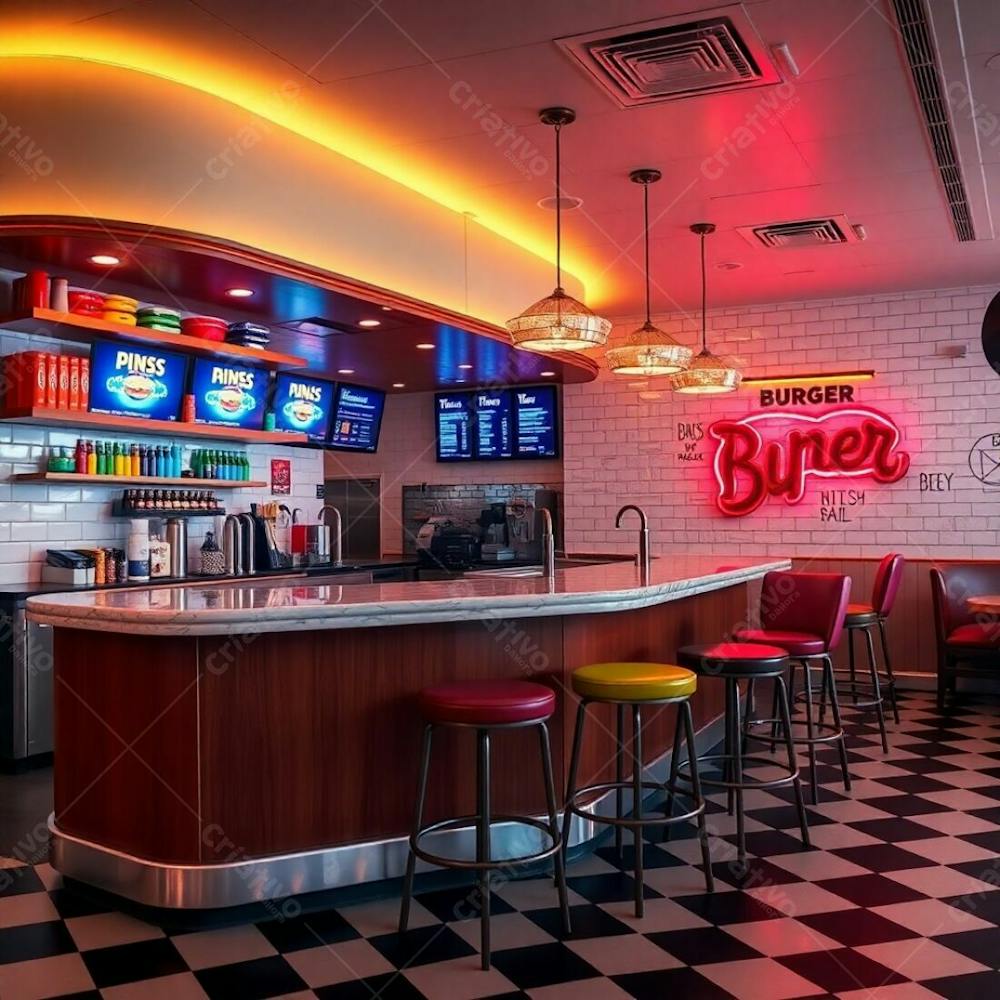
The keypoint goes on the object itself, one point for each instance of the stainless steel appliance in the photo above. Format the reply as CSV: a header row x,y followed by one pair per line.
x,y
25,689
177,537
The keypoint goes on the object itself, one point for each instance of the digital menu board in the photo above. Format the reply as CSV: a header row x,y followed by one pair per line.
x,y
536,416
303,404
136,382
357,418
453,413
494,424
230,395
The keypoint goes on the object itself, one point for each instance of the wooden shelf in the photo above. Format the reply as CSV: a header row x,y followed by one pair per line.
x,y
65,478
84,329
138,425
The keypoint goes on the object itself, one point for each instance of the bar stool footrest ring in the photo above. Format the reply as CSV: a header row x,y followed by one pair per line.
x,y
787,777
835,732
624,821
460,822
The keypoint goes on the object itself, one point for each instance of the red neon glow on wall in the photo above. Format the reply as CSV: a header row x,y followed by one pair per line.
x,y
751,465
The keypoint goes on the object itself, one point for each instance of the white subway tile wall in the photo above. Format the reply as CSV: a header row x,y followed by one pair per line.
x,y
621,443
35,517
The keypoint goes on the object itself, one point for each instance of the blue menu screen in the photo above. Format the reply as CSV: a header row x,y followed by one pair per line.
x,y
536,414
135,382
494,424
230,395
454,426
304,405
357,418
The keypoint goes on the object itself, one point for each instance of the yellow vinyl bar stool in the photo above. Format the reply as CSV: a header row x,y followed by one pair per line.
x,y
635,685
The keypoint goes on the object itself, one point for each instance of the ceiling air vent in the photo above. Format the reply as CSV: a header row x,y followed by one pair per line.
x,y
918,45
320,326
800,234
672,58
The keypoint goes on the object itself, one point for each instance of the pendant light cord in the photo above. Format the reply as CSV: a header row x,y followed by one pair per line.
x,y
704,298
645,227
558,129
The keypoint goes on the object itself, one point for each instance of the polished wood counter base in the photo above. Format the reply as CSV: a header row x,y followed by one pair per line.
x,y
206,750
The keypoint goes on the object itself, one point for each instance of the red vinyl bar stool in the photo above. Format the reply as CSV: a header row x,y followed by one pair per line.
x,y
486,707
734,662
638,686
865,617
803,613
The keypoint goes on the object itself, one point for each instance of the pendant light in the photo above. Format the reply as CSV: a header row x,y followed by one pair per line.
x,y
708,374
649,350
558,322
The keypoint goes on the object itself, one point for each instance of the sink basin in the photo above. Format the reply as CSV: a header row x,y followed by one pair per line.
x,y
524,571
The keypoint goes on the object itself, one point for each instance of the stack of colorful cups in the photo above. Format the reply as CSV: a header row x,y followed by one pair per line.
x,y
159,318
120,309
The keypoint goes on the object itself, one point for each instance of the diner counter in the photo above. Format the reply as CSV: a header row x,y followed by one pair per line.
x,y
255,606
227,744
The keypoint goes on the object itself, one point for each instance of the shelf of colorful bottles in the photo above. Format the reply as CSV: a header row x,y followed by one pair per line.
x,y
65,478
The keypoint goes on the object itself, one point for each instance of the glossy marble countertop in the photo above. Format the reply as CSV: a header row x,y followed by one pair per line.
x,y
250,606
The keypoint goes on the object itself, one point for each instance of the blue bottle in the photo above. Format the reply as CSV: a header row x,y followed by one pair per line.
x,y
161,469
175,461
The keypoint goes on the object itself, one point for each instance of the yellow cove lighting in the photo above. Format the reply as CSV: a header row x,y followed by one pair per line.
x,y
832,378
288,103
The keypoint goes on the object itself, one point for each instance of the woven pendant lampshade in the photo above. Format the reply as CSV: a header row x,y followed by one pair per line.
x,y
558,322
708,374
649,350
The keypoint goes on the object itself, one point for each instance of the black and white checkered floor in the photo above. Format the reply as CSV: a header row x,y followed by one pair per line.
x,y
899,899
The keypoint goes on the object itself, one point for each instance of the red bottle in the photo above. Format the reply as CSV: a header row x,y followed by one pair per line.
x,y
81,456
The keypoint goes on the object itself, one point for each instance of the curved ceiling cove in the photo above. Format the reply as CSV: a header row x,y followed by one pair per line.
x,y
105,109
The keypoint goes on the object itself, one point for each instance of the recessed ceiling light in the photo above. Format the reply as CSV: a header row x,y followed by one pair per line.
x,y
345,371
105,260
465,368
239,293
546,374
387,309
399,385
425,347
370,322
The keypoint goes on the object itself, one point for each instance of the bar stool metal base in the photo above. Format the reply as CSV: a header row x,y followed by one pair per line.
x,y
734,757
818,731
637,785
485,863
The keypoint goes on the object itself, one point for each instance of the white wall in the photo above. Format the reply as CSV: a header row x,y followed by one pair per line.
x,y
621,445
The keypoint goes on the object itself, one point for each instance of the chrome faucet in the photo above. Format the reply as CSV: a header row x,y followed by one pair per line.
x,y
338,533
642,561
548,546
232,545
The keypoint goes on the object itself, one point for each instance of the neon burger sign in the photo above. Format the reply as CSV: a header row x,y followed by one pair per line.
x,y
773,454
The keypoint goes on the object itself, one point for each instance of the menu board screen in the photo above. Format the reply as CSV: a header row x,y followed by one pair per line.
x,y
135,382
357,418
494,430
537,422
303,404
453,412
229,395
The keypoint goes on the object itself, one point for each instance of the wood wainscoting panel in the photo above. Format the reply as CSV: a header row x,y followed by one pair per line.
x,y
910,629
126,742
324,728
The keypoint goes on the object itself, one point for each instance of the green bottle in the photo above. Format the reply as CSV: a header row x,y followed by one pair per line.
x,y
102,459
